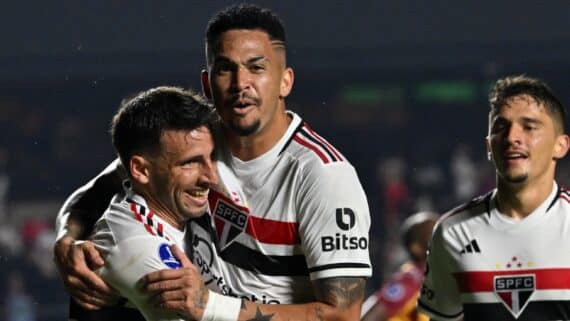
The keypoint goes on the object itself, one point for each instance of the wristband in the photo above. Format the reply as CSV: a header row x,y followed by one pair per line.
x,y
221,308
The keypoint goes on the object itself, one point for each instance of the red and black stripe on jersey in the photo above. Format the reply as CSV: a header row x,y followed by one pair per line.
x,y
145,216
305,136
546,279
251,260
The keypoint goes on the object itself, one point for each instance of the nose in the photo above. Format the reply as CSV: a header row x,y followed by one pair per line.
x,y
514,134
210,173
241,79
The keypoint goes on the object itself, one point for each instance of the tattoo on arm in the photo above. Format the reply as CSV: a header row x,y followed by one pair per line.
x,y
260,316
340,292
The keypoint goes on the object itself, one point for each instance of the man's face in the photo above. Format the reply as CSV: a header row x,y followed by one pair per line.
x,y
247,79
523,141
181,175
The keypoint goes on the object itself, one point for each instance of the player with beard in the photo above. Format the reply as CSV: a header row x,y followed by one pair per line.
x,y
506,255
289,220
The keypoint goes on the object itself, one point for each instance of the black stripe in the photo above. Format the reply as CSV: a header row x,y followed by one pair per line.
x,y
251,260
291,138
338,266
535,310
475,246
488,198
310,137
436,313
149,221
558,192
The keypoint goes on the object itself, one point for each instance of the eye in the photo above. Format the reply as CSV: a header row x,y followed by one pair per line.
x,y
222,67
257,68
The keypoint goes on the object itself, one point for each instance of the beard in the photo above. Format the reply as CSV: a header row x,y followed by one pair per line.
x,y
515,179
245,131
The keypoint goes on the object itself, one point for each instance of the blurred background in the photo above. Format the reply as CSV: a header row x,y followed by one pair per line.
x,y
398,86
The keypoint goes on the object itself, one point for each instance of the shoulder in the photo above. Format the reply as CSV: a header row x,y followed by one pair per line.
x,y
310,148
476,207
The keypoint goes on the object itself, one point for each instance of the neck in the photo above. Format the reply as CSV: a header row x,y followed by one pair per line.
x,y
254,145
162,211
519,200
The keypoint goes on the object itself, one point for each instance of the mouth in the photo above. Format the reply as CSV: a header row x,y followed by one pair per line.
x,y
199,197
514,157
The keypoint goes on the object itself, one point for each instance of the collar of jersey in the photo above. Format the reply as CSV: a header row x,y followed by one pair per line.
x,y
503,222
252,167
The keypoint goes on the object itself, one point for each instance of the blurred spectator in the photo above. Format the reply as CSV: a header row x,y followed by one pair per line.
x,y
464,173
19,305
396,299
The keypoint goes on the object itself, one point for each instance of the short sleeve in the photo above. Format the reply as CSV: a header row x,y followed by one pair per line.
x,y
439,296
132,258
334,221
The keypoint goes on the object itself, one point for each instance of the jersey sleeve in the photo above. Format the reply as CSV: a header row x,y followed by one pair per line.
x,y
439,296
334,221
132,258
88,202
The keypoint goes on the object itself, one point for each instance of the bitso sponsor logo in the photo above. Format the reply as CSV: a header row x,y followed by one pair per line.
x,y
345,220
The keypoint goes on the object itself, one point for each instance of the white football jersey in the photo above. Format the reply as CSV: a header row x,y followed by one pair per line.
x,y
295,214
483,265
134,242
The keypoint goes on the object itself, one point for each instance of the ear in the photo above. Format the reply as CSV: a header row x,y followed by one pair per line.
x,y
561,146
206,89
286,82
488,146
139,168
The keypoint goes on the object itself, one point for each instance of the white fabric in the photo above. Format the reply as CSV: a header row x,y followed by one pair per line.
x,y
133,248
300,184
221,308
475,244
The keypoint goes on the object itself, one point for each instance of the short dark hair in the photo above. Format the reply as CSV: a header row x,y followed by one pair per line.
x,y
243,16
140,120
512,86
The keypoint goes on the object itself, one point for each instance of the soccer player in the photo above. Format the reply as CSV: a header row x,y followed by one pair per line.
x,y
396,300
506,255
289,222
164,136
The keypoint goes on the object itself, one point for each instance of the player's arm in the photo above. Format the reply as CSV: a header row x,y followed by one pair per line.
x,y
439,296
184,292
77,260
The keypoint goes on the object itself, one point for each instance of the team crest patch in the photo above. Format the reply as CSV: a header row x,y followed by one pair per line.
x,y
514,291
167,257
231,221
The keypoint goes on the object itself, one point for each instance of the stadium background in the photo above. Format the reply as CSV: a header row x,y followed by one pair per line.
x,y
398,86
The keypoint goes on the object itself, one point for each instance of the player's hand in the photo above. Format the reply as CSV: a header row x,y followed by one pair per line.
x,y
181,290
76,262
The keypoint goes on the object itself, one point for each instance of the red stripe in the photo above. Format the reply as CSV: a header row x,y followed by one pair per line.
x,y
138,216
149,229
322,140
482,281
273,232
564,197
311,147
159,228
262,229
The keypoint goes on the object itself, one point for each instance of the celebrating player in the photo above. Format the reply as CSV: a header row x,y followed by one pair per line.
x,y
504,255
289,221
